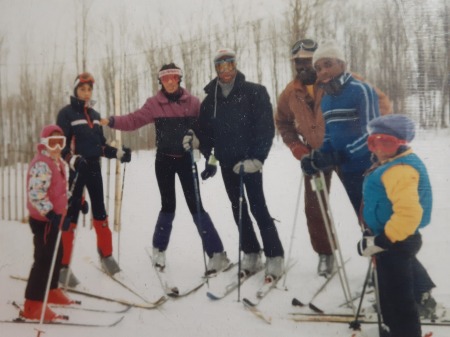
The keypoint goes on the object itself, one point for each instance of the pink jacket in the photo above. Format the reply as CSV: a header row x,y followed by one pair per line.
x,y
158,106
46,187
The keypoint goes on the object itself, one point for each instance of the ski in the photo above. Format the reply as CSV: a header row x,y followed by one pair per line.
x,y
125,302
66,323
296,302
254,310
167,284
119,278
66,320
80,307
269,284
310,304
348,318
229,287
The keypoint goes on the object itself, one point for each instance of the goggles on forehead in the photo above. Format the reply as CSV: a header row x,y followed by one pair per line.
x,y
225,65
305,44
225,60
167,78
167,72
384,143
54,142
84,78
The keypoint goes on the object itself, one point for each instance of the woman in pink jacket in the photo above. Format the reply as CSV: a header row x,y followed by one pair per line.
x,y
174,111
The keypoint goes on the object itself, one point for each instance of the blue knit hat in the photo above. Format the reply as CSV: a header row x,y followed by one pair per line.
x,y
395,125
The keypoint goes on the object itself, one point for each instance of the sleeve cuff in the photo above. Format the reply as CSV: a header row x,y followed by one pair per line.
x,y
382,241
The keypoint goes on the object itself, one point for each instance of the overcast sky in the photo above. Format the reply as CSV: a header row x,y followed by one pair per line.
x,y
42,24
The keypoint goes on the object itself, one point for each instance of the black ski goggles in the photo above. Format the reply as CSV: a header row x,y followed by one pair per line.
x,y
304,44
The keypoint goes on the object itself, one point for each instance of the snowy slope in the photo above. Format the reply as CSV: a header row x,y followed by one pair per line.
x,y
196,315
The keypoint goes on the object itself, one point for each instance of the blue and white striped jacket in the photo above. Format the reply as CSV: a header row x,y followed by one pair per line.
x,y
346,116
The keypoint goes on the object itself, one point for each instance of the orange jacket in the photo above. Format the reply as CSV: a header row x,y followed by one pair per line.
x,y
299,119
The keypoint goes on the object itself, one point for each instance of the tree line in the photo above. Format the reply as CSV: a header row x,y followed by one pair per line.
x,y
401,46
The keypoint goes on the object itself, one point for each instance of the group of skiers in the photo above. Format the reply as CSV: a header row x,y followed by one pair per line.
x,y
330,119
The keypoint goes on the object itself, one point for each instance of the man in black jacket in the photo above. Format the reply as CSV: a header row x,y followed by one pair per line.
x,y
236,127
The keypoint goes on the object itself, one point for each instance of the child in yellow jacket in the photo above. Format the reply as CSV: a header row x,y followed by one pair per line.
x,y
397,202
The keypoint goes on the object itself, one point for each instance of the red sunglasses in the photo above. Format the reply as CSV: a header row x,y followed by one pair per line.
x,y
384,143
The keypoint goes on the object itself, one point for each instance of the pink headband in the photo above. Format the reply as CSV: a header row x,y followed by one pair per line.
x,y
166,72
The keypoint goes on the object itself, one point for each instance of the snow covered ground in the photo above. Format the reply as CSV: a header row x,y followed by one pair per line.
x,y
196,315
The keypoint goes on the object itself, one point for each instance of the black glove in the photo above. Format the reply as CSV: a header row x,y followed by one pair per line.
x,y
318,161
126,155
109,151
210,168
307,165
58,221
78,163
370,245
84,206
324,160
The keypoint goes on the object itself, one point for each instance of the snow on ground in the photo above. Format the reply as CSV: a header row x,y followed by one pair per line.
x,y
196,315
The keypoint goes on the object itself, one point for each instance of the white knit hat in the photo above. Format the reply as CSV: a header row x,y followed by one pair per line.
x,y
328,49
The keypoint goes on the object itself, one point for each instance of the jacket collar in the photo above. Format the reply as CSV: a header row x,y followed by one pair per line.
x,y
162,99
78,104
238,82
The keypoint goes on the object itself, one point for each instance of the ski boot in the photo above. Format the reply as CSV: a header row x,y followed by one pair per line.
x,y
326,265
217,263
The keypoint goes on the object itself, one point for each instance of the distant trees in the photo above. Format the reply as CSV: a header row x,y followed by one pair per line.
x,y
402,46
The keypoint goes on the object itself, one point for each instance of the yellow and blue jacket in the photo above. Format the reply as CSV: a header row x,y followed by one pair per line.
x,y
397,197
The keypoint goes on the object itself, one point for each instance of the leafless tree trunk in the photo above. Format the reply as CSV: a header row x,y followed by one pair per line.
x,y
445,69
81,56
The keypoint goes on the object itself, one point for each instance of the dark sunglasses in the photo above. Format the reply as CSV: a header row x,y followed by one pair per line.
x,y
305,44
227,60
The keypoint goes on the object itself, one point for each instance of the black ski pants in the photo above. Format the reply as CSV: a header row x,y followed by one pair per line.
x,y
253,185
44,240
92,179
166,168
395,268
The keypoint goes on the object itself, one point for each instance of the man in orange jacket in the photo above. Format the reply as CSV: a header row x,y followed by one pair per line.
x,y
300,123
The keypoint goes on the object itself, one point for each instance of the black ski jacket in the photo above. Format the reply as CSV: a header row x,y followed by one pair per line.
x,y
83,132
239,126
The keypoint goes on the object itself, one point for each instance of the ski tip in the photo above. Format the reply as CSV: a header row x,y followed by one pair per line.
x,y
316,309
212,296
248,302
296,303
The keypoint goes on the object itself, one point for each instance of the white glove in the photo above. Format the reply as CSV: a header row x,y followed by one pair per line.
x,y
190,141
367,246
249,165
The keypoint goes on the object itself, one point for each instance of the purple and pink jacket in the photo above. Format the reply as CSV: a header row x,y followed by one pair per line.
x,y
172,120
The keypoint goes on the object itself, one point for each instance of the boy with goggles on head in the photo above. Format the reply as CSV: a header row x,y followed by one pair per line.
x,y
397,202
85,145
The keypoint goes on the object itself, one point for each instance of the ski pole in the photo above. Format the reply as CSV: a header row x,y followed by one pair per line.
x,y
241,200
49,280
197,201
381,330
121,201
319,185
297,206
355,324
72,188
